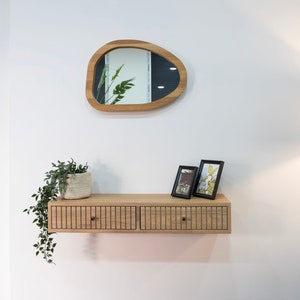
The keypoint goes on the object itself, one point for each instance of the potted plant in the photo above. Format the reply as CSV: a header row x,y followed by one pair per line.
x,y
67,180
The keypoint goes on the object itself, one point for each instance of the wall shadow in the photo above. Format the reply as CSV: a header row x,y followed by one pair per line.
x,y
157,247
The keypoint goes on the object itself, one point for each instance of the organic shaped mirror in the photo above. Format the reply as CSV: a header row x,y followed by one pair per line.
x,y
133,75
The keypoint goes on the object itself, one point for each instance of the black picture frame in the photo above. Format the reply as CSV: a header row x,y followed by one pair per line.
x,y
208,178
184,182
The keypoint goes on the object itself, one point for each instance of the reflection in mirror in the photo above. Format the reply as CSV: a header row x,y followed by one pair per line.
x,y
128,75
129,64
152,76
164,77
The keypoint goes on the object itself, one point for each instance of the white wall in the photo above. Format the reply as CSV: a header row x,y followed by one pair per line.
x,y
241,105
4,152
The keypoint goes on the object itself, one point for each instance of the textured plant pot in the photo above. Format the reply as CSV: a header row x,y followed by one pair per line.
x,y
79,186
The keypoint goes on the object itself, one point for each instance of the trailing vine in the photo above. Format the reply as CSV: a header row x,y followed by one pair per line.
x,y
55,185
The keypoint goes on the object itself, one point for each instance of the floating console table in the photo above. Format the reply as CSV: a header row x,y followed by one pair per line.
x,y
140,213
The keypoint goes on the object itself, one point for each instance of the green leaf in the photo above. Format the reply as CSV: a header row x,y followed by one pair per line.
x,y
117,73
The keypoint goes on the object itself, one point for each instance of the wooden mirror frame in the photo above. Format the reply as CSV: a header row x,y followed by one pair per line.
x,y
100,53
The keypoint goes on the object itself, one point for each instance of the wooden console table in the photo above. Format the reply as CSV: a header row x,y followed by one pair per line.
x,y
140,213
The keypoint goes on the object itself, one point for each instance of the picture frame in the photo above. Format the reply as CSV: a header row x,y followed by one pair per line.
x,y
184,182
208,178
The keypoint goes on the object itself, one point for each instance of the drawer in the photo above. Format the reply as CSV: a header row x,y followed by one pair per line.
x,y
184,218
140,213
82,218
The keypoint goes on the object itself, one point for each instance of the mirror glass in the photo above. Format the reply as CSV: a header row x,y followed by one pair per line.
x,y
133,75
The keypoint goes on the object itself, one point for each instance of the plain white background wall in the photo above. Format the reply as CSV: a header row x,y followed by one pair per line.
x,y
4,151
241,105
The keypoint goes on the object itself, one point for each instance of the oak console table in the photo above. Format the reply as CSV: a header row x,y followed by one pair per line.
x,y
140,213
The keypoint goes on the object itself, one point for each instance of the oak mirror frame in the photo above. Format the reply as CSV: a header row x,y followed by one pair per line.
x,y
155,50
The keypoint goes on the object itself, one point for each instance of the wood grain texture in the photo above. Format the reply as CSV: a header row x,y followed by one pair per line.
x,y
140,213
90,78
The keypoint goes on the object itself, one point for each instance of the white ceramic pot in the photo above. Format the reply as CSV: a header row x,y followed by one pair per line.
x,y
79,186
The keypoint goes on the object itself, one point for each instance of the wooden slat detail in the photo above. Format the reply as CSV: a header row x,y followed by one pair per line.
x,y
140,213
81,218
184,218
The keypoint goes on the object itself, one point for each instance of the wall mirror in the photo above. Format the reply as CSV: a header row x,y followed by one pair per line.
x,y
133,75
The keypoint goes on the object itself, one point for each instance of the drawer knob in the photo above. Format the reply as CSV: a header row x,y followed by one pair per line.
x,y
93,218
183,218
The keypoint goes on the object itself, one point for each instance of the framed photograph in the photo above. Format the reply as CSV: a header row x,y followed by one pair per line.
x,y
184,182
208,178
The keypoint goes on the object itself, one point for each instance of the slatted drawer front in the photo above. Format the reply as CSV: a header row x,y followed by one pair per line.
x,y
184,218
93,218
